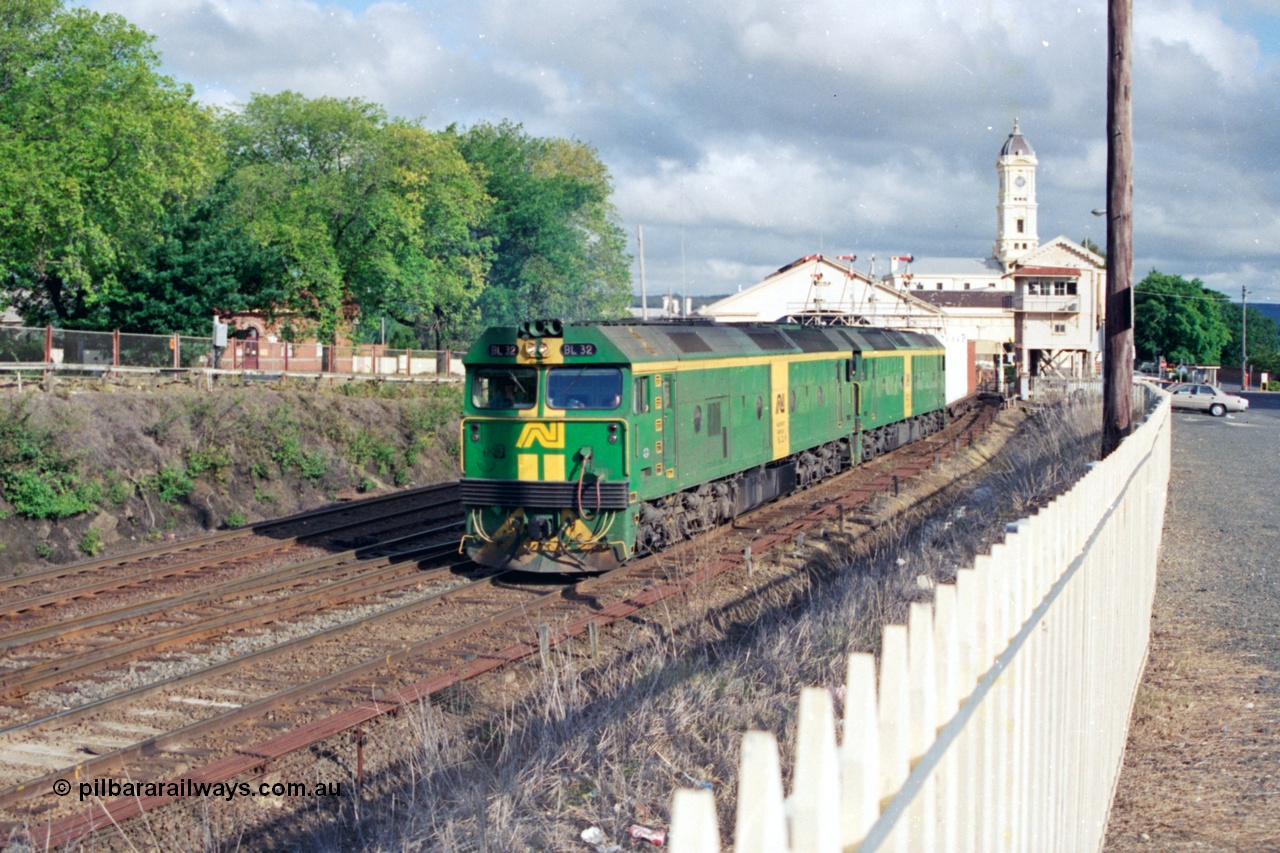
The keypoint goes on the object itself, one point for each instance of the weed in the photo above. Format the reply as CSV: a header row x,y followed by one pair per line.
x,y
91,542
236,519
287,452
37,477
163,427
170,484
44,550
261,496
260,470
363,446
213,460
117,490
314,466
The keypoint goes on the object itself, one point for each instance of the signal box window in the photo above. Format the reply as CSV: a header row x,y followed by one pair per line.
x,y
504,387
598,388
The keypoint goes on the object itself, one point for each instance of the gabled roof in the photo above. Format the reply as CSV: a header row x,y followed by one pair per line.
x,y
967,298
725,306
1062,244
953,266
1064,272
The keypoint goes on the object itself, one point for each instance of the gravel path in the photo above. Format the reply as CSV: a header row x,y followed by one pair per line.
x,y
1202,767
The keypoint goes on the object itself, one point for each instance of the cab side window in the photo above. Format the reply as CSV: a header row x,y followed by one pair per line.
x,y
640,404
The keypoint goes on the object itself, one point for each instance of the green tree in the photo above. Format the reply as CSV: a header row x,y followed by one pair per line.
x,y
1179,319
1263,339
94,143
204,262
559,251
366,214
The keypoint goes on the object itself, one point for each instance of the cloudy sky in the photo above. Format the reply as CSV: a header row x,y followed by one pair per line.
x,y
744,134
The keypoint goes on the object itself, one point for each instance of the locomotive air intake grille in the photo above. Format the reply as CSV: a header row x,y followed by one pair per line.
x,y
549,495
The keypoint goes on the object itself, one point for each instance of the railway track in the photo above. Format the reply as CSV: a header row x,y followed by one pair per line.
x,y
365,639
31,597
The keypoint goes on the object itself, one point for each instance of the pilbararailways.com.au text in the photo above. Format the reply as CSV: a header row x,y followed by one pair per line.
x,y
104,789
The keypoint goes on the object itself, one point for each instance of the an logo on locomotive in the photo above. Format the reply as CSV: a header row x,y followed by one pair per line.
x,y
548,435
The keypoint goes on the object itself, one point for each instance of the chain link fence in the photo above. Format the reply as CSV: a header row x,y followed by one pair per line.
x,y
50,349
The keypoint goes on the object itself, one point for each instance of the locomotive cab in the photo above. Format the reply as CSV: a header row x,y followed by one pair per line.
x,y
543,452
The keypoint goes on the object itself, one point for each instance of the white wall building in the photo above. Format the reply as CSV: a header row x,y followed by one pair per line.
x,y
1041,304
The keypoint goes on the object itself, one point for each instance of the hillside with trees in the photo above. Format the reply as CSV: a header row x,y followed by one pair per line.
x,y
125,203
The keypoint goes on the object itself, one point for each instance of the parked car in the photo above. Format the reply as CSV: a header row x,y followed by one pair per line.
x,y
1206,398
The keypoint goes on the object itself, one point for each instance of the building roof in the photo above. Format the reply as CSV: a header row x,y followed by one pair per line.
x,y
965,298
955,266
1064,272
1015,144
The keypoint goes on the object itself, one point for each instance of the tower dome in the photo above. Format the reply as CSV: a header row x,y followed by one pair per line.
x,y
1016,145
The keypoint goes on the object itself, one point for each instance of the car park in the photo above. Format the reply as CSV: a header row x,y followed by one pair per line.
x,y
1206,398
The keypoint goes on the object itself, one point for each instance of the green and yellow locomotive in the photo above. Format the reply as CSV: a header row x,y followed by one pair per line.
x,y
584,445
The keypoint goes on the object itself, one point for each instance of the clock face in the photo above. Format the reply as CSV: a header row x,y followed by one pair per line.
x,y
1021,181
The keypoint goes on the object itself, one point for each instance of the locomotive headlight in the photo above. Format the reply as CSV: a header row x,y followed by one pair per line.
x,y
613,433
529,348
475,432
543,349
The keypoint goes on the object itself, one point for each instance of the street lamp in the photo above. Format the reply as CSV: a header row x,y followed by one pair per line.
x,y
1133,317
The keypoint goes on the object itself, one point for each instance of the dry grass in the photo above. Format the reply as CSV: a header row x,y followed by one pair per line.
x,y
604,743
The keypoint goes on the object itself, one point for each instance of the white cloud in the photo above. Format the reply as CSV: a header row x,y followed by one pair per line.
x,y
746,133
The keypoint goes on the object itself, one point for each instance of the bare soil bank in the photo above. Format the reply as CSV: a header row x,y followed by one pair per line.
x,y
88,469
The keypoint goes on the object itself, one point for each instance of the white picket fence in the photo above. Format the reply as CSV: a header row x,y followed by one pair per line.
x,y
1003,706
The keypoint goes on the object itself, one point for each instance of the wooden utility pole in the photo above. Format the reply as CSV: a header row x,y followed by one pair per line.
x,y
1244,341
1117,381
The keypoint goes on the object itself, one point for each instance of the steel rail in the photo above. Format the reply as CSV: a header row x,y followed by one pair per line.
x,y
258,528
85,709
190,567
268,581
35,787
386,576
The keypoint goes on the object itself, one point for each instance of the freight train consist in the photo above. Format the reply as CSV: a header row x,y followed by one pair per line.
x,y
585,445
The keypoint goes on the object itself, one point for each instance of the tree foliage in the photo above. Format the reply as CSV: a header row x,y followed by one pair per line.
x,y
559,251
1262,338
1179,319
366,214
125,204
94,143
204,262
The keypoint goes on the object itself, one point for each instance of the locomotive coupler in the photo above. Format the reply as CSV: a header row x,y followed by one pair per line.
x,y
540,528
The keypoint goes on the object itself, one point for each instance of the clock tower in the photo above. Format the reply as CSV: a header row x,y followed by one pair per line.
x,y
1016,202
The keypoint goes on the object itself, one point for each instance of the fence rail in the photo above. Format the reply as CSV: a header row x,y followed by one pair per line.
x,y
51,349
1003,707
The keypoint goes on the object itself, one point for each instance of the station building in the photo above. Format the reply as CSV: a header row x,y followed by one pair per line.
x,y
1038,306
